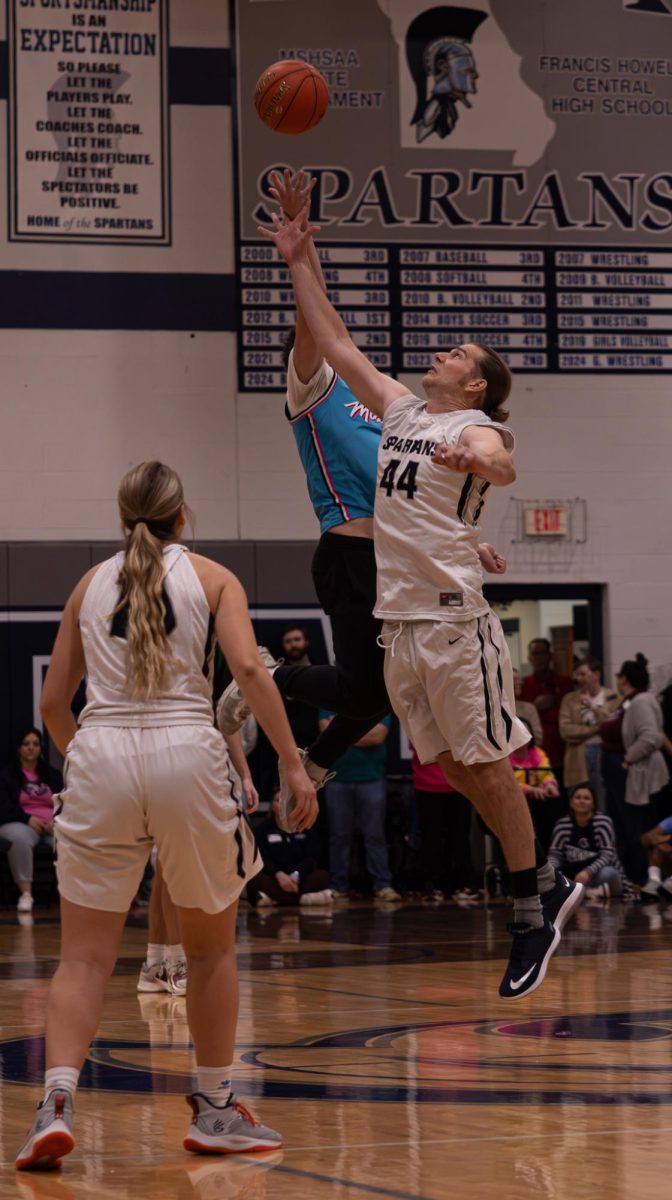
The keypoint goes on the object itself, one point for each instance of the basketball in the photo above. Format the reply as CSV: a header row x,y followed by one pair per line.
x,y
291,96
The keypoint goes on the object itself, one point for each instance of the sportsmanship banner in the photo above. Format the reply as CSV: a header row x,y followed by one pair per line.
x,y
495,171
88,121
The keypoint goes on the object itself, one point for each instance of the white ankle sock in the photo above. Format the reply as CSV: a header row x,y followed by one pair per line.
x,y
214,1083
654,873
66,1078
174,954
155,954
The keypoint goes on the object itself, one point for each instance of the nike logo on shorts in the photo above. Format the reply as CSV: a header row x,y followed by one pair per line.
x,y
519,982
452,643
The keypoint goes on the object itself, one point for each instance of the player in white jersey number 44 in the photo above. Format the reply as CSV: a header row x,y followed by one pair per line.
x,y
447,666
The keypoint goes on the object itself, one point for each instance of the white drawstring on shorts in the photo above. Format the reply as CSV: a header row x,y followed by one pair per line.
x,y
390,632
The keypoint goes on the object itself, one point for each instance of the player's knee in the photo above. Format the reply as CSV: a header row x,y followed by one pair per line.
x,y
92,964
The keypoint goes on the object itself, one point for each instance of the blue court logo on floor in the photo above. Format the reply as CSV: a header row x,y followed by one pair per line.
x,y
530,1061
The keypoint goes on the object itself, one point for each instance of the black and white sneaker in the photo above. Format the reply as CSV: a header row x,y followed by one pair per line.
x,y
530,955
560,902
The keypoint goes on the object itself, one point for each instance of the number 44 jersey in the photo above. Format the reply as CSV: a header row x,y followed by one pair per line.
x,y
426,517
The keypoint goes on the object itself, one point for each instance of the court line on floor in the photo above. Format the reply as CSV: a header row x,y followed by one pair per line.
x,y
371,1189
356,1146
294,985
495,1137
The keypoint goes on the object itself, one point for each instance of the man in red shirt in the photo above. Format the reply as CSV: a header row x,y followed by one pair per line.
x,y
545,689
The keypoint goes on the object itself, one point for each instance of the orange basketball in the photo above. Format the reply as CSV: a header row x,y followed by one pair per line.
x,y
291,96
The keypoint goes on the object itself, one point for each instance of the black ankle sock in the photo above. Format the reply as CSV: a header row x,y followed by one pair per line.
x,y
526,902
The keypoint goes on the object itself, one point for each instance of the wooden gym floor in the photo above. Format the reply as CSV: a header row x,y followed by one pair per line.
x,y
375,1041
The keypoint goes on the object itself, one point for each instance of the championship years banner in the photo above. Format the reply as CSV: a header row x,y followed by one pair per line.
x,y
491,171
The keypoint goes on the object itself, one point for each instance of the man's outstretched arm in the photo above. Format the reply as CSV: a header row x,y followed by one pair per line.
x,y
292,194
331,337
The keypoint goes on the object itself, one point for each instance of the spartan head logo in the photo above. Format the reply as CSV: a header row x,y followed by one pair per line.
x,y
443,67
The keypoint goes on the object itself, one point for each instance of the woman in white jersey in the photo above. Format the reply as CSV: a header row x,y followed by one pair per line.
x,y
148,765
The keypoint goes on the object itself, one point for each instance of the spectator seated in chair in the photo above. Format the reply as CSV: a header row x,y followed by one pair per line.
x,y
290,874
584,848
27,788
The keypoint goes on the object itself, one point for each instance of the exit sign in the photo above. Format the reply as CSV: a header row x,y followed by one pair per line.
x,y
547,520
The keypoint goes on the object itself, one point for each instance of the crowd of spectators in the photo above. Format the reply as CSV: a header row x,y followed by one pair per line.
x,y
594,772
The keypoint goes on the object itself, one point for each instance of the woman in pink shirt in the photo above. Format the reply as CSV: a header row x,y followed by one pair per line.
x,y
27,787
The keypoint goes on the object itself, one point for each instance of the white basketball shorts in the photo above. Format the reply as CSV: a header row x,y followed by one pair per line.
x,y
451,685
126,788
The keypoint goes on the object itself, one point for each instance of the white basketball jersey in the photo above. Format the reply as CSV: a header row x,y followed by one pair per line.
x,y
426,517
186,698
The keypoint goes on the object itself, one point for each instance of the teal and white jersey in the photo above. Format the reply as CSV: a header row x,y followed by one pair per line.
x,y
338,440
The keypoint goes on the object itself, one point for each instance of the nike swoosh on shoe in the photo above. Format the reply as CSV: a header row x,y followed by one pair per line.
x,y
519,982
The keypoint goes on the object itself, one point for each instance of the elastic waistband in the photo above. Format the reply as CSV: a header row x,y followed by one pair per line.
x,y
364,545
104,722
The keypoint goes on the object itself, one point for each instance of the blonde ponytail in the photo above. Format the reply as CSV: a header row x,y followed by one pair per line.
x,y
150,504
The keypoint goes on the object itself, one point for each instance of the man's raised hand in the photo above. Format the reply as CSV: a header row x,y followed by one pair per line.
x,y
291,194
293,238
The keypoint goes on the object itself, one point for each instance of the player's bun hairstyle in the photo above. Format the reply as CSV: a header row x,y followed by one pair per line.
x,y
498,379
150,500
634,670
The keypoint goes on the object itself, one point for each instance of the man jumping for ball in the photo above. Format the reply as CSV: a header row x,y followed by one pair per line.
x,y
447,666
338,440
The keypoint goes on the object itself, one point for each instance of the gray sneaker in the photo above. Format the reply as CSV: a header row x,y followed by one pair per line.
x,y
50,1138
319,776
228,1129
232,709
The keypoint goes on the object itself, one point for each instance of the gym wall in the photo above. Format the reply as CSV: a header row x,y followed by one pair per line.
x,y
123,346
